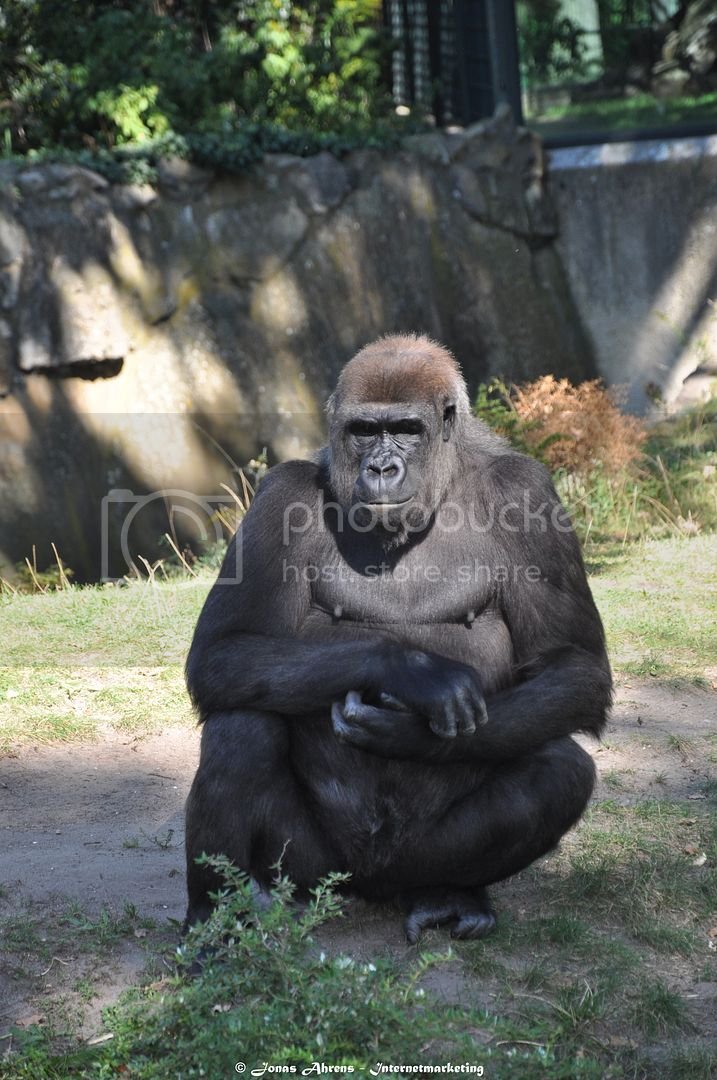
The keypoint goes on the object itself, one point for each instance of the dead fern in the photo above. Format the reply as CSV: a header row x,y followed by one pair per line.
x,y
577,428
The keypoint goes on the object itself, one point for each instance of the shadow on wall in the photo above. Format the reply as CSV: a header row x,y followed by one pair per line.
x,y
638,239
154,339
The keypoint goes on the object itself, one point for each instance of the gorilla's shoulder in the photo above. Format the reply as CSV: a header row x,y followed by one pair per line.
x,y
499,465
512,470
290,479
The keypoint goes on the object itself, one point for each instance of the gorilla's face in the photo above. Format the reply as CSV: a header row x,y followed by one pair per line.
x,y
390,460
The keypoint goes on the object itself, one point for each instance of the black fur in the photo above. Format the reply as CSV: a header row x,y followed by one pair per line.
x,y
388,693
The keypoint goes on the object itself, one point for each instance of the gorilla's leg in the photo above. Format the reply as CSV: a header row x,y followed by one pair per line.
x,y
245,803
519,813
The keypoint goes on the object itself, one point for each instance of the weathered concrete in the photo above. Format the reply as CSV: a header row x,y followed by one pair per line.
x,y
149,336
638,240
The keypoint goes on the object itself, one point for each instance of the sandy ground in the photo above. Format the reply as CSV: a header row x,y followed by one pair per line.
x,y
101,823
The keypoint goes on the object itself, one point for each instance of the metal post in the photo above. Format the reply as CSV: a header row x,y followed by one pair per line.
x,y
505,64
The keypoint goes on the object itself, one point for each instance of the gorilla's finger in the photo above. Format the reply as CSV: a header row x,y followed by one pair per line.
x,y
482,711
413,929
445,726
341,728
392,702
423,917
348,732
466,713
352,704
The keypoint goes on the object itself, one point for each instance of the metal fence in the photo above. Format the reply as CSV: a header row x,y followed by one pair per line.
x,y
454,59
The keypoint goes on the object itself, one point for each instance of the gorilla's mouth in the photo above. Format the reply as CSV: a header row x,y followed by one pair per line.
x,y
385,505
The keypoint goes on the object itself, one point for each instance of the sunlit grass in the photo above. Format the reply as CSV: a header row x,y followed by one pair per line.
x,y
658,600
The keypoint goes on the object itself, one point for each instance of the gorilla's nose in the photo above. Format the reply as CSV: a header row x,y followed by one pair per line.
x,y
383,477
384,472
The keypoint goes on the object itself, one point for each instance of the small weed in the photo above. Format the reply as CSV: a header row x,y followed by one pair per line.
x,y
665,938
614,779
649,665
105,930
535,977
481,960
163,842
564,929
579,1006
85,989
709,789
693,1063
23,933
681,744
658,1010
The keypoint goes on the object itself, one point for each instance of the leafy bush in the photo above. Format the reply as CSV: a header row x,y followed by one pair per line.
x,y
264,992
619,478
91,76
552,44
575,428
579,428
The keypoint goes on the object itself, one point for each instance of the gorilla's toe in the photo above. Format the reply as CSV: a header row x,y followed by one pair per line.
x,y
471,912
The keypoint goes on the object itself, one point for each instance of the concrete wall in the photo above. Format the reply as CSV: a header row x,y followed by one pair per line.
x,y
149,336
638,240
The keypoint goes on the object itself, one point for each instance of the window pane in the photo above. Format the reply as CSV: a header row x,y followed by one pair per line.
x,y
611,66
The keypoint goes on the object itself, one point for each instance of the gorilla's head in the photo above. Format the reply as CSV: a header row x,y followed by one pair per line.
x,y
395,422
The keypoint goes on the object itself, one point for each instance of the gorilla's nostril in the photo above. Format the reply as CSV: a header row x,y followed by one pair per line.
x,y
383,471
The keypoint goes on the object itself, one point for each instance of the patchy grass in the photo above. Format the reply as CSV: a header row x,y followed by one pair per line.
x,y
83,659
603,964
70,929
80,660
272,993
134,625
658,600
62,960
643,111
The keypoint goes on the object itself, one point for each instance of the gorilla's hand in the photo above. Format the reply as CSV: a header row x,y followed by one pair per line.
x,y
387,730
446,692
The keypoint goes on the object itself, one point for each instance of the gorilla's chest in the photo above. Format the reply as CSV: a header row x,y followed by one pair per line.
x,y
447,604
413,589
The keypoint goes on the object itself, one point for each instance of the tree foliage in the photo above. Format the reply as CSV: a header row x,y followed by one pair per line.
x,y
98,74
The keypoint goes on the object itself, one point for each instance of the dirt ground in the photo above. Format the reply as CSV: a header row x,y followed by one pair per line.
x,y
101,824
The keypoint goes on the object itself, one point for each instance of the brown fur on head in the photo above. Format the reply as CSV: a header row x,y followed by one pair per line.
x,y
401,367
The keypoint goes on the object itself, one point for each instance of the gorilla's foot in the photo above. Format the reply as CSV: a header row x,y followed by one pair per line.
x,y
470,911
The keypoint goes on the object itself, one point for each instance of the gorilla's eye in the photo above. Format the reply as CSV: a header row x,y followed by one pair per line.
x,y
372,429
364,428
406,426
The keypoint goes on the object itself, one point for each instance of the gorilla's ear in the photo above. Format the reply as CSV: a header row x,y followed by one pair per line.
x,y
449,419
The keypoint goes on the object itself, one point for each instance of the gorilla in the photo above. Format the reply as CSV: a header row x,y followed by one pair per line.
x,y
390,667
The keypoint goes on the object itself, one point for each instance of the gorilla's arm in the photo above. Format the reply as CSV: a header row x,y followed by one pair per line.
x,y
572,693
247,650
562,675
562,682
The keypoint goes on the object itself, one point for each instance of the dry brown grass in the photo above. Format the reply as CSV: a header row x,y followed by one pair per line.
x,y
578,428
